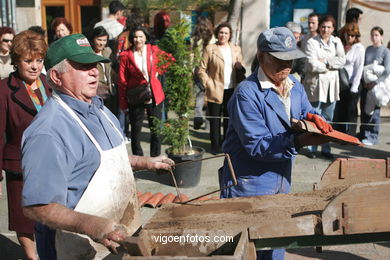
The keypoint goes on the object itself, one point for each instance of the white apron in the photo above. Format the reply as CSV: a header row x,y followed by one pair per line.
x,y
110,193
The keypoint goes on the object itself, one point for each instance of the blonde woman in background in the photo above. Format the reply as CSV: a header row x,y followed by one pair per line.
x,y
217,72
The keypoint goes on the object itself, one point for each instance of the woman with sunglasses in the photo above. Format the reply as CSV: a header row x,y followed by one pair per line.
x,y
6,36
346,107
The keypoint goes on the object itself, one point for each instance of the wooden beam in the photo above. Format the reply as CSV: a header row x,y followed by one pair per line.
x,y
298,226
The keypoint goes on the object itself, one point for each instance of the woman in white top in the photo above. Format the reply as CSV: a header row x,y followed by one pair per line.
x,y
346,107
326,56
217,72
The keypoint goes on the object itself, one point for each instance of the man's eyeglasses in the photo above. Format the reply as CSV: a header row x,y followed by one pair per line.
x,y
6,40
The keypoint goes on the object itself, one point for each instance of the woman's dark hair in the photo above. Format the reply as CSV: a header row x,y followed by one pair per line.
x,y
161,22
61,20
203,31
139,28
222,25
5,30
97,32
378,29
326,18
351,29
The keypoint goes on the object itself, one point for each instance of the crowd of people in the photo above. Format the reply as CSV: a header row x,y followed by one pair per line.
x,y
119,63
333,74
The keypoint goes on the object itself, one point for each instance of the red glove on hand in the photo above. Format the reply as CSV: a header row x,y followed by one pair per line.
x,y
320,123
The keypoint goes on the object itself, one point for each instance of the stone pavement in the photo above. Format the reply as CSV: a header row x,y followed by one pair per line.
x,y
305,172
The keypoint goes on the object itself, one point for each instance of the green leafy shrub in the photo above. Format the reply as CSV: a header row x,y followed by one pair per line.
x,y
178,87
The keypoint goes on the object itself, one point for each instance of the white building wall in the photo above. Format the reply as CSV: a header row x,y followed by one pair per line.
x,y
255,19
28,16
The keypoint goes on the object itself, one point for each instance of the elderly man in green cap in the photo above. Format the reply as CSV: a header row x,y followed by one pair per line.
x,y
78,179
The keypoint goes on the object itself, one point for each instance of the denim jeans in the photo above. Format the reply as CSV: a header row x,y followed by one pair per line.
x,y
369,132
326,110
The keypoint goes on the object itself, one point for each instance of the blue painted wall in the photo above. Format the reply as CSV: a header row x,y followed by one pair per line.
x,y
282,10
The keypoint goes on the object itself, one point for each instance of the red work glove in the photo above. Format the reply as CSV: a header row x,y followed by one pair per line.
x,y
320,123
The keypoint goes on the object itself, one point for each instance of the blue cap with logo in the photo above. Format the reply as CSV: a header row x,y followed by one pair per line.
x,y
280,43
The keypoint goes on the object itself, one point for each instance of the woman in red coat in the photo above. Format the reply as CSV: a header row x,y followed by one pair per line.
x,y
22,95
138,67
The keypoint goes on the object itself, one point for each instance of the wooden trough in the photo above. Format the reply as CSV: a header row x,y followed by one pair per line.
x,y
342,209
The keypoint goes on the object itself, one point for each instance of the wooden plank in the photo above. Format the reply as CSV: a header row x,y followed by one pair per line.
x,y
350,171
364,217
331,174
298,226
319,240
335,221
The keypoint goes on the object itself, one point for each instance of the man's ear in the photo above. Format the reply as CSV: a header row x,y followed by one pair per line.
x,y
55,77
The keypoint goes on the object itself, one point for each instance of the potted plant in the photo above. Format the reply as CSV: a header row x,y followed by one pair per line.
x,y
179,96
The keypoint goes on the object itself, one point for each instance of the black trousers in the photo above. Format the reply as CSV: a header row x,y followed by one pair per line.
x,y
346,111
215,111
136,116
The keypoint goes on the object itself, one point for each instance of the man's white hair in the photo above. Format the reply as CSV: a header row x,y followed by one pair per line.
x,y
294,27
61,67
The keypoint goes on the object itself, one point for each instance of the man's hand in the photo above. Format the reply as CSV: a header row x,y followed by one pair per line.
x,y
161,162
320,123
110,240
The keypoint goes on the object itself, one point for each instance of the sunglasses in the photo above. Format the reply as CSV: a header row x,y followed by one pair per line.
x,y
351,35
7,40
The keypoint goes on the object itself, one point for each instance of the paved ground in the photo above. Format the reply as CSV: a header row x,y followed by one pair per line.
x,y
306,172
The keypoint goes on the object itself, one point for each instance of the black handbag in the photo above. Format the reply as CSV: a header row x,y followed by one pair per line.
x,y
344,79
142,93
139,95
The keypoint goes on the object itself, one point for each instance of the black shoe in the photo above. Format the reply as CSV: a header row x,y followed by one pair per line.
x,y
312,155
328,155
198,122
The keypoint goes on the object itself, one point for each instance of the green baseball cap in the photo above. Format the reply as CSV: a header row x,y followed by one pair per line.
x,y
74,47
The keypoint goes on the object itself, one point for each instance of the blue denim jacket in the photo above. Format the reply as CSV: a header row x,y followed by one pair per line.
x,y
259,139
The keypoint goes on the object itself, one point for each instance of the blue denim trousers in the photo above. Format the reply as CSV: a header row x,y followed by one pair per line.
x,y
326,110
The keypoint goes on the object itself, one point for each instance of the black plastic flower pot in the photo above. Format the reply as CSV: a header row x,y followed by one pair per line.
x,y
188,174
